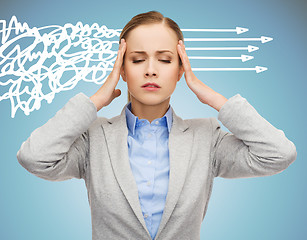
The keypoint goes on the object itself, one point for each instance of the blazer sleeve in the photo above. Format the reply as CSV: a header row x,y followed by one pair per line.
x,y
252,148
58,150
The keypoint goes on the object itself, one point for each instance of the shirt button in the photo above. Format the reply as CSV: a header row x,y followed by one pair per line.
x,y
149,135
148,183
145,216
157,122
149,162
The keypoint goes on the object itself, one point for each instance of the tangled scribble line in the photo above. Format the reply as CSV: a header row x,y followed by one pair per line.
x,y
34,60
37,63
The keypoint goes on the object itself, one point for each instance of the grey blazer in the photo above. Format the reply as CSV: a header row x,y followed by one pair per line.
x,y
75,143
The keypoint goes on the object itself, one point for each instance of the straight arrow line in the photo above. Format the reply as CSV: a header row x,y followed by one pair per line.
x,y
244,58
223,69
214,57
249,48
208,30
238,30
261,39
216,48
220,39
258,69
200,30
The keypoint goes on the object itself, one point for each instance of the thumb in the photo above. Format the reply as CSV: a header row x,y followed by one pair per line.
x,y
116,93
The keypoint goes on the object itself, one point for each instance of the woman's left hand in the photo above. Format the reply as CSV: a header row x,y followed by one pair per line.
x,y
204,93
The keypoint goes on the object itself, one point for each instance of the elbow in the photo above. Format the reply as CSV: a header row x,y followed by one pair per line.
x,y
288,156
47,170
24,160
28,160
36,167
21,159
23,156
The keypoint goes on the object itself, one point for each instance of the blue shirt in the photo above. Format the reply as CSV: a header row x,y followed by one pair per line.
x,y
149,161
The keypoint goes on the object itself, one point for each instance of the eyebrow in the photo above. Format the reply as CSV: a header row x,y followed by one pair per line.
x,y
157,52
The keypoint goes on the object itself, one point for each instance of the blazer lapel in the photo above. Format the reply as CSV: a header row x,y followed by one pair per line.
x,y
116,133
180,148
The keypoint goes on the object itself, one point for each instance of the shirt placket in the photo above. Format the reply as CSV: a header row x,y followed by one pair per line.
x,y
150,136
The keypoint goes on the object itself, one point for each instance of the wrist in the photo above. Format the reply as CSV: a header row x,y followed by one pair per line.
x,y
217,101
96,102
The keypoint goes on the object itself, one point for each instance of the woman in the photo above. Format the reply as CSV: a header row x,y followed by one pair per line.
x,y
149,173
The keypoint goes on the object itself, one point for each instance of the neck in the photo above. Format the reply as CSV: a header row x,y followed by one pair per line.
x,y
149,112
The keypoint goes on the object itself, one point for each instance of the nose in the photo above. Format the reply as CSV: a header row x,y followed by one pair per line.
x,y
151,69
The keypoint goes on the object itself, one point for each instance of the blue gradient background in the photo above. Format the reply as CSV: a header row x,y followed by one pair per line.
x,y
272,207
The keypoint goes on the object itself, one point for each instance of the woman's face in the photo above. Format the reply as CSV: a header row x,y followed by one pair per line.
x,y
151,57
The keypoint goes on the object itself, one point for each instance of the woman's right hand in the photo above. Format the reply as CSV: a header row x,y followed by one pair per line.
x,y
107,92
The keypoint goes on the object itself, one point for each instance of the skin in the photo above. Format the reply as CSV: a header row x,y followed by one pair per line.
x,y
162,69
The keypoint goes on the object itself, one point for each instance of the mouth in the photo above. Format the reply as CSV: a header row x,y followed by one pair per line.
x,y
151,85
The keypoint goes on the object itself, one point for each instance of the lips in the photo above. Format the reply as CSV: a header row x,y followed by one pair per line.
x,y
151,84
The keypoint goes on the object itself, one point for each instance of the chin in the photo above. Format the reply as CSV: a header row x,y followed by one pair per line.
x,y
151,100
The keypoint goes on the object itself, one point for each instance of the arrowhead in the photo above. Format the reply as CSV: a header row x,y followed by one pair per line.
x,y
245,58
260,69
241,30
251,48
265,39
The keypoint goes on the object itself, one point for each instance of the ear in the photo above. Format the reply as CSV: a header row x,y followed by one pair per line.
x,y
181,71
122,73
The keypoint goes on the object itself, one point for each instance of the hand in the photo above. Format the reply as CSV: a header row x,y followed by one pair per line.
x,y
204,93
107,92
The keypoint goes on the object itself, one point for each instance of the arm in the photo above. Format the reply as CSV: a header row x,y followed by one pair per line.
x,y
253,148
58,150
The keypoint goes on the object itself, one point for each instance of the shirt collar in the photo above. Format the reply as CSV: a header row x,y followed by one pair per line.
x,y
132,120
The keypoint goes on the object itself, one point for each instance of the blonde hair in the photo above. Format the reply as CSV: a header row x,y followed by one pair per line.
x,y
150,17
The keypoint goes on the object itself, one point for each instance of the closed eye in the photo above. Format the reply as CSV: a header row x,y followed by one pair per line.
x,y
137,61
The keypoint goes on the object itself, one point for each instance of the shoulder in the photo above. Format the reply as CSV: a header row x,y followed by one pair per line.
x,y
207,124
100,121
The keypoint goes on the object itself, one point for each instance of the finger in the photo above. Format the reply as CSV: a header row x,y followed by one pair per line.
x,y
118,59
184,58
113,77
117,93
120,56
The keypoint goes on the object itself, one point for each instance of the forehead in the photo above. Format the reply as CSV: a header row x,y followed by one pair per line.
x,y
151,36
